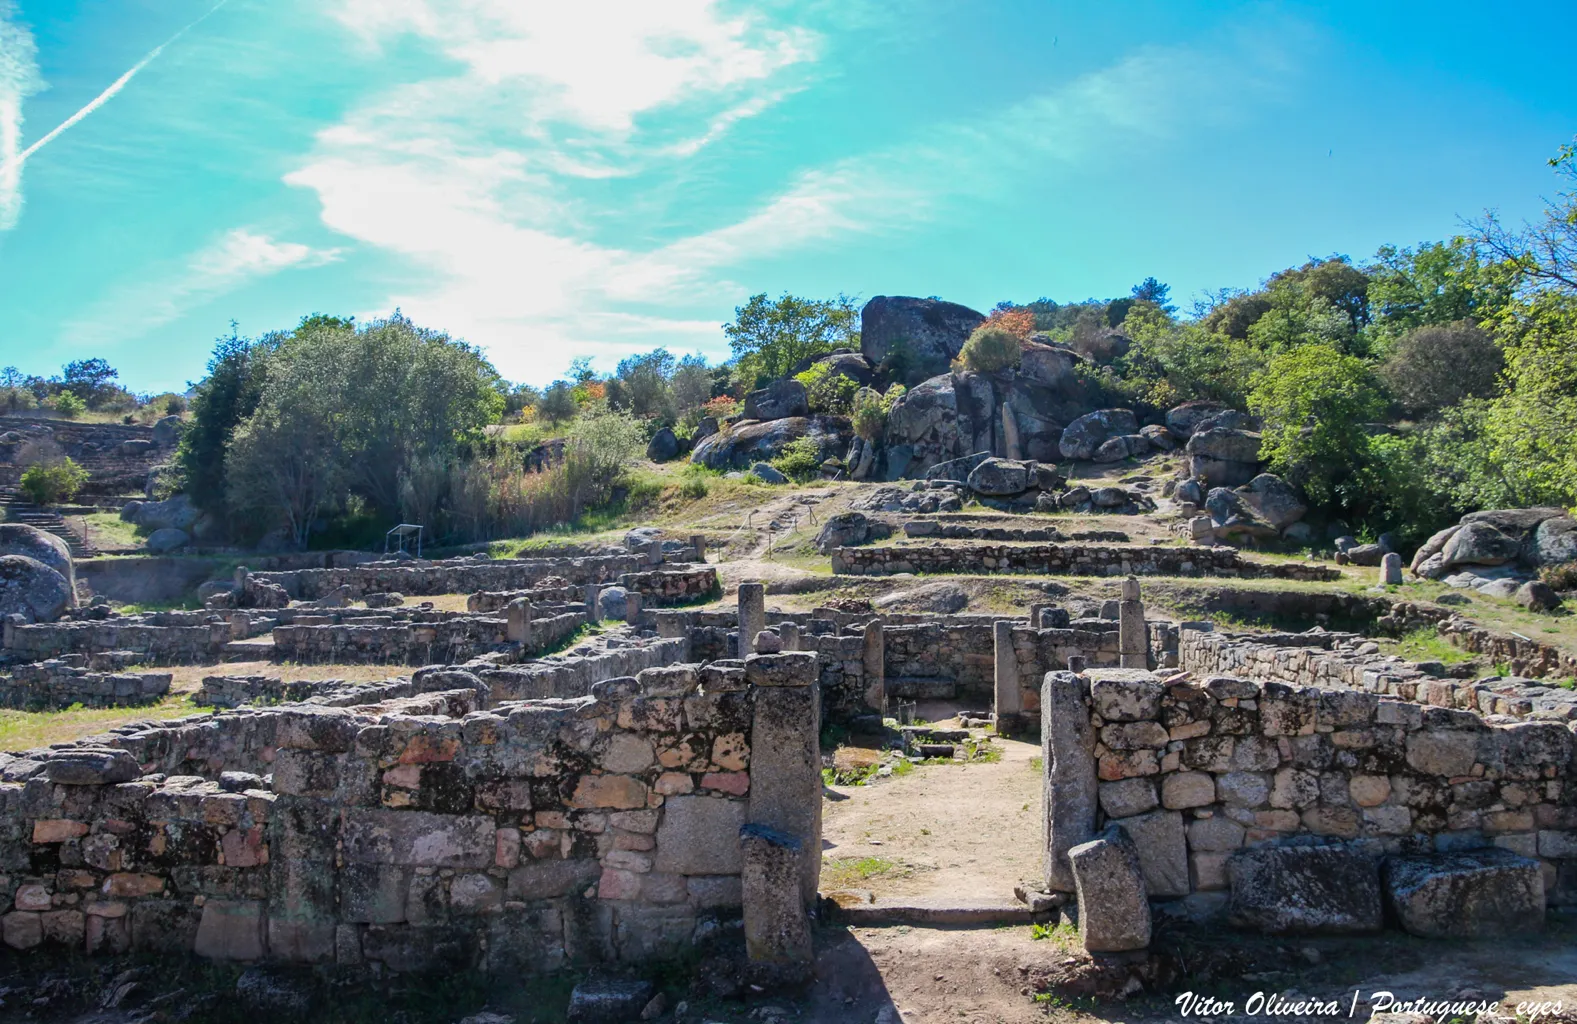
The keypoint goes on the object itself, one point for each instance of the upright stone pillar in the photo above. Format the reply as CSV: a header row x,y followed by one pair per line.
x,y
698,541
518,612
752,615
632,607
777,929
654,552
875,659
1391,569
1035,613
1133,639
1068,760
788,633
785,754
1010,698
593,613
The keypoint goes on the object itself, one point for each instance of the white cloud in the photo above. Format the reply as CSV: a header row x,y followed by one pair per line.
x,y
18,80
234,259
479,177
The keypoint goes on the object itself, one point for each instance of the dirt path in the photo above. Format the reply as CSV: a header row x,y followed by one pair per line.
x,y
967,832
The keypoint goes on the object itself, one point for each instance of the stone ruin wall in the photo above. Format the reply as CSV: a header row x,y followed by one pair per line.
x,y
1196,772
457,577
60,683
574,676
422,834
378,640
1068,559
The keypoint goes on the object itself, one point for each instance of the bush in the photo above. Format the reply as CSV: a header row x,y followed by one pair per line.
x,y
1437,366
800,459
68,405
827,390
1560,577
990,349
17,399
870,410
49,483
1316,403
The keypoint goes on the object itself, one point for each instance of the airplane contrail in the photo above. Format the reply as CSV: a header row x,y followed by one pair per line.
x,y
15,163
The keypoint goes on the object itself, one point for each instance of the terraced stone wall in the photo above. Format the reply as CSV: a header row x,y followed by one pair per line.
x,y
1202,767
57,684
447,641
1069,559
574,675
604,828
151,644
462,576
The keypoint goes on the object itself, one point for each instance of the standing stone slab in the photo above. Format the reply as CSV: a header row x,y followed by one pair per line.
x,y
1466,895
785,753
1068,759
1133,640
777,930
1163,851
1330,889
1009,698
875,662
1114,912
519,621
1391,569
752,614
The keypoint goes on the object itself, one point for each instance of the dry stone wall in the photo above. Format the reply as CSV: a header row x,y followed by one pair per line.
x,y
603,828
1197,769
574,674
1068,559
58,683
380,640
460,576
151,644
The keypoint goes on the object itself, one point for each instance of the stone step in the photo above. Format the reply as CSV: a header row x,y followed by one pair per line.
x,y
940,912
920,688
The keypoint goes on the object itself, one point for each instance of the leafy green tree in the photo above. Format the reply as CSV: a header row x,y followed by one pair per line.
x,y
221,401
558,402
1439,365
1437,283
91,380
1154,292
645,385
692,383
1316,403
770,340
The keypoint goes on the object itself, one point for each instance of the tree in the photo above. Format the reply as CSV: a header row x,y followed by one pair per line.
x,y
645,387
1439,365
91,380
1152,291
692,383
558,402
1437,283
771,340
285,462
1545,252
221,401
1316,403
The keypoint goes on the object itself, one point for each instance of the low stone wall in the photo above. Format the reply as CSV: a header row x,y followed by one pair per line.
x,y
56,683
1196,770
956,530
152,644
606,828
1068,559
484,601
572,675
1353,664
1523,656
425,643
221,691
664,587
459,576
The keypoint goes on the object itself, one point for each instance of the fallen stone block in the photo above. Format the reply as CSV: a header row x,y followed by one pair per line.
x,y
1469,894
1114,910
1330,889
609,1000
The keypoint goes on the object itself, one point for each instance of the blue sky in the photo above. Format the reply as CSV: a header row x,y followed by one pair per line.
x,y
551,180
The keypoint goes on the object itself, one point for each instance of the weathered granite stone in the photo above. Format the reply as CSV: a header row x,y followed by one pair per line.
x,y
1069,794
1114,912
1469,894
687,838
1305,888
777,930
1163,851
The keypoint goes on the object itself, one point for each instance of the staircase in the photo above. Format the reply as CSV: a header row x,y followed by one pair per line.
x,y
18,509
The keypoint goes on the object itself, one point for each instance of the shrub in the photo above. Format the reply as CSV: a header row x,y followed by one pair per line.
x,y
870,410
1560,577
1440,365
68,405
800,459
17,399
1018,321
827,390
991,348
49,483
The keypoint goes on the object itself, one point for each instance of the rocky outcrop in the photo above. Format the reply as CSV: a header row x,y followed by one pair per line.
x,y
928,332
779,400
664,446
847,364
30,541
1223,457
32,589
1083,437
1498,548
748,442
177,513
1183,420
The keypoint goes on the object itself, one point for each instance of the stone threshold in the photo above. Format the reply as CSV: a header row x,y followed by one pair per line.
x,y
940,912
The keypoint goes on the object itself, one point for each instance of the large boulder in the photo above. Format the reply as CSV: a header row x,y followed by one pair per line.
x,y
1223,457
1183,420
741,446
1480,543
162,542
767,473
1234,515
706,428
847,529
1048,364
1000,478
930,332
1277,502
1102,347
167,431
663,446
33,590
778,400
847,364
1470,894
1230,419
177,513
933,598
1084,436
1554,542
1333,889
21,539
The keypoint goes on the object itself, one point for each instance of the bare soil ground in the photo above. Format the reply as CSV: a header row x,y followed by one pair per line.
x,y
967,832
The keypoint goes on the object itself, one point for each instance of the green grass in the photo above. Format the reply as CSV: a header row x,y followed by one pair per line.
x,y
844,871
109,530
1061,933
1425,644
24,730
